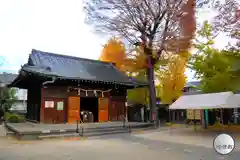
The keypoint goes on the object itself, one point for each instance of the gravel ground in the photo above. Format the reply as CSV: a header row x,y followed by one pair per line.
x,y
2,130
117,147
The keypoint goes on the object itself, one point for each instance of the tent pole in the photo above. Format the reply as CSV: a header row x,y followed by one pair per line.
x,y
194,120
221,114
170,121
206,118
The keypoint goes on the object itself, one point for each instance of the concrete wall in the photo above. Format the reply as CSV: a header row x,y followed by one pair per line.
x,y
21,104
21,94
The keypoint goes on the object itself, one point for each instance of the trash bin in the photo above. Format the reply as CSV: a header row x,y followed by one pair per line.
x,y
85,117
90,117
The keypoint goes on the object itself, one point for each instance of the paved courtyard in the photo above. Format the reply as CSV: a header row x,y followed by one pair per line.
x,y
150,145
2,130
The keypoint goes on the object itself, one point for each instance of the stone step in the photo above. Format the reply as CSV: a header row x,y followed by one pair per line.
x,y
106,132
102,129
10,133
143,128
85,134
58,136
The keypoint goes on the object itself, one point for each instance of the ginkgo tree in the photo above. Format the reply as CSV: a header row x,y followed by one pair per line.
x,y
132,61
158,26
114,51
172,79
135,60
169,71
131,64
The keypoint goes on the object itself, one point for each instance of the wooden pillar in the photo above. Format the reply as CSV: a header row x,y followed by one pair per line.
x,y
126,110
110,109
42,106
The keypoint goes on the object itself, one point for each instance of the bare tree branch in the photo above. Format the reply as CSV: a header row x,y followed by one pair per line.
x,y
149,21
226,19
159,26
2,61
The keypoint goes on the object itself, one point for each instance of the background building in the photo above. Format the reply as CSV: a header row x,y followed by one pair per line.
x,y
21,94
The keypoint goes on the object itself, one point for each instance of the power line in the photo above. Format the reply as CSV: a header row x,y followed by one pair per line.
x,y
2,60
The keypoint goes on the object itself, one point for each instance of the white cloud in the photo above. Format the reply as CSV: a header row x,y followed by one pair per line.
x,y
49,25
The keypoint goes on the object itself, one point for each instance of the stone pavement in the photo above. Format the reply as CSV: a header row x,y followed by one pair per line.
x,y
185,136
147,145
2,130
94,149
116,147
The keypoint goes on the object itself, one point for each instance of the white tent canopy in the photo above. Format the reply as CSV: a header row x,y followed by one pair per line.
x,y
207,101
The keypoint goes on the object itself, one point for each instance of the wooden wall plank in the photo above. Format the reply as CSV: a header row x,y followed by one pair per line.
x,y
103,105
73,109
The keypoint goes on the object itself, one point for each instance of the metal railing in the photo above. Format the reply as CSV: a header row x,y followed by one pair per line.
x,y
80,130
124,120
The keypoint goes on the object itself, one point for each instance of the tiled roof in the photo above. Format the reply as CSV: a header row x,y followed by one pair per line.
x,y
193,84
7,78
138,82
69,67
192,93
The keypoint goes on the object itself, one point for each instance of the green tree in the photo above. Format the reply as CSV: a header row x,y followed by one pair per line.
x,y
139,95
213,67
233,54
7,98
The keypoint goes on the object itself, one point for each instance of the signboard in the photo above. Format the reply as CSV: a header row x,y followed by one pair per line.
x,y
153,116
190,114
60,106
49,104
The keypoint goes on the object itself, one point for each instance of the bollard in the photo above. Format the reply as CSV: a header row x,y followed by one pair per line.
x,y
77,127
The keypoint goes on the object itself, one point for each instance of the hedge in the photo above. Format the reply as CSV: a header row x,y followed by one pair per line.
x,y
13,118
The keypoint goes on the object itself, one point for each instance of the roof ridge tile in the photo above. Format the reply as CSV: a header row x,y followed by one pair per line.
x,y
35,51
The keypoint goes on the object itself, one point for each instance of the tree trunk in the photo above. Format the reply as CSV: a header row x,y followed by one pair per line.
x,y
152,91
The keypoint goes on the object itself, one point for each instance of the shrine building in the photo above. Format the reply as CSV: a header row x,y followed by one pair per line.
x,y
61,86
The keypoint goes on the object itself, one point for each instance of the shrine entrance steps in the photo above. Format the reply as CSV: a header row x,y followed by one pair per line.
x,y
33,131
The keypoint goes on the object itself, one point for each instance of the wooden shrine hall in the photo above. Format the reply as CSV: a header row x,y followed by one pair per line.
x,y
61,87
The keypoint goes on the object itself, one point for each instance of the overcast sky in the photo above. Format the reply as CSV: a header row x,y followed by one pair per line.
x,y
49,25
